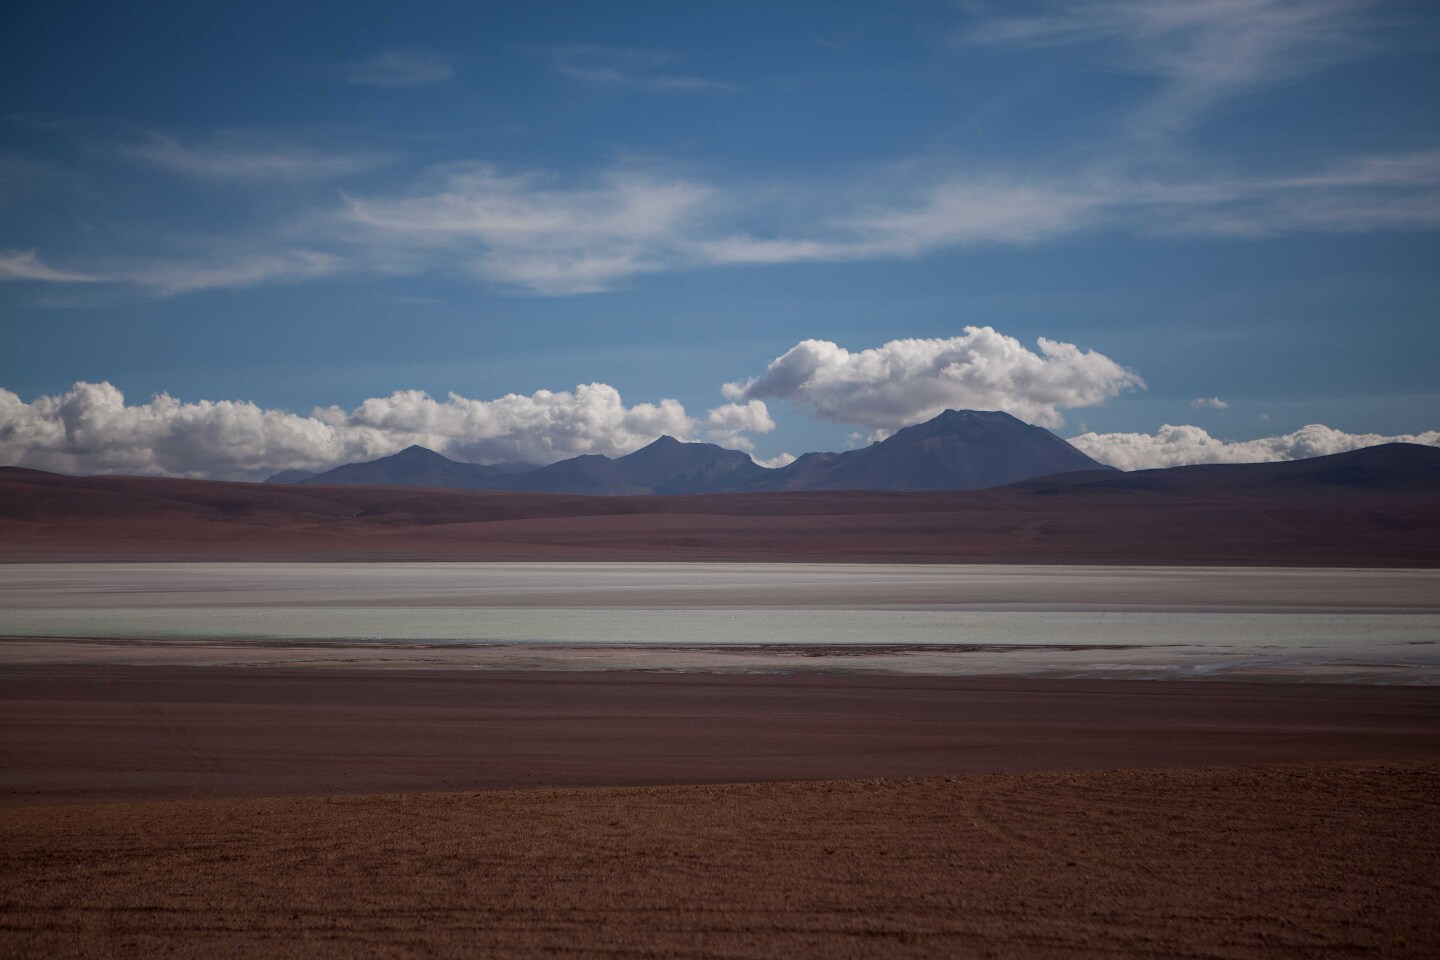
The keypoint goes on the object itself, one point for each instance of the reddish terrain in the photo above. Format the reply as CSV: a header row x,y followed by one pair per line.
x,y
107,733
1372,507
1333,858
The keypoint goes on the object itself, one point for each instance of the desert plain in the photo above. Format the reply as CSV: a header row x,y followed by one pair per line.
x,y
718,760
1188,714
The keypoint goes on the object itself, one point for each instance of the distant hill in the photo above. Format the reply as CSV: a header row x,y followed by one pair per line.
x,y
1374,507
1385,468
412,467
957,450
290,476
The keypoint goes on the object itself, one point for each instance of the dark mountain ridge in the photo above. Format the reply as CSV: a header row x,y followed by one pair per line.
x,y
1373,507
415,466
957,450
1384,468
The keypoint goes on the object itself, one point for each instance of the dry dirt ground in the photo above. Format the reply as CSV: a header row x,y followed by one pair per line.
x,y
1308,860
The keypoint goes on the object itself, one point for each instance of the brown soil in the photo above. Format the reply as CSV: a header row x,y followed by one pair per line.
x,y
1333,860
1205,520
108,732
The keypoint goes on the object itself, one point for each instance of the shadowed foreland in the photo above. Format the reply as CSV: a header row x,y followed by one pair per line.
x,y
1374,507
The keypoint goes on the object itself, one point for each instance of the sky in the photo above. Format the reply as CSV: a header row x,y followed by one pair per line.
x,y
240,238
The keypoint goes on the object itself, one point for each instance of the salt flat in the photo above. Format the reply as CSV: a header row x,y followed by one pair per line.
x,y
709,585
1371,625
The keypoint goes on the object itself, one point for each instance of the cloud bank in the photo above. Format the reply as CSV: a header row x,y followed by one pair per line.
x,y
92,429
907,381
1178,446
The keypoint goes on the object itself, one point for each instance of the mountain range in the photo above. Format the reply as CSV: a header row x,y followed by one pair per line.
x,y
957,450
1379,506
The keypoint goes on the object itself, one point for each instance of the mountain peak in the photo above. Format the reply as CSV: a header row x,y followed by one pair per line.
x,y
954,450
946,417
415,466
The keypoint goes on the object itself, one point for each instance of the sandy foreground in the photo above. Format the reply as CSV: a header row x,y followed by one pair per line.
x,y
266,812
1310,860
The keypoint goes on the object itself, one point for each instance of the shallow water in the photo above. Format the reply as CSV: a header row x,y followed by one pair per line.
x,y
1349,625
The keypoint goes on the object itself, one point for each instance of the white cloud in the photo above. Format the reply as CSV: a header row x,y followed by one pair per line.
x,y
1209,403
775,462
247,157
1203,52
727,423
525,231
1356,195
92,429
26,265
618,67
168,278
907,381
402,68
955,212
538,233
1175,446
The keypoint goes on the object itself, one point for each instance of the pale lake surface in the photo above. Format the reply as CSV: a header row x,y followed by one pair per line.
x,y
1376,626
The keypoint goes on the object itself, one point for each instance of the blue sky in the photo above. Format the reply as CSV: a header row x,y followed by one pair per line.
x,y
311,205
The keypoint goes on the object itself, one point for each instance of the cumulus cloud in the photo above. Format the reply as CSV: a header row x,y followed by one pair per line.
x,y
92,429
536,428
727,424
1209,403
26,265
907,381
401,68
775,462
1178,446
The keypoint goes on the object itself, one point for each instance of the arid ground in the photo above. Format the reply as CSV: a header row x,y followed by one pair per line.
x,y
1384,515
334,808
1315,860
260,812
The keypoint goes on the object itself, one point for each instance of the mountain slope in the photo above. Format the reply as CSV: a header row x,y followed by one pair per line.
x,y
412,467
957,450
1385,468
669,466
1375,507
665,466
